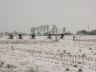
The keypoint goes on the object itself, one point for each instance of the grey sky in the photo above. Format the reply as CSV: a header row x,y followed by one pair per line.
x,y
21,15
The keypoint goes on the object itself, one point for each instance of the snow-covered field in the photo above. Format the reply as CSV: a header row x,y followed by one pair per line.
x,y
44,55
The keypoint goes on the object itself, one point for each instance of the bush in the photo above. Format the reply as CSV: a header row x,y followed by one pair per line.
x,y
67,69
80,70
1,64
10,66
75,66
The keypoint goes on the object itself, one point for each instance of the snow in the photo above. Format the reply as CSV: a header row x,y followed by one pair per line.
x,y
44,55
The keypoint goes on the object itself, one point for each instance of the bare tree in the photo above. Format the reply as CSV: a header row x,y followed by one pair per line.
x,y
63,30
54,29
44,29
41,29
33,30
47,28
38,30
1,34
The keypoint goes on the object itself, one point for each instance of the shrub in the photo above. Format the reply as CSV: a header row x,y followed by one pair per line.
x,y
75,66
80,70
1,64
67,69
10,66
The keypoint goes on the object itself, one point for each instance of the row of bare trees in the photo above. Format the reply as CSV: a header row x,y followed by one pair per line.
x,y
45,29
40,29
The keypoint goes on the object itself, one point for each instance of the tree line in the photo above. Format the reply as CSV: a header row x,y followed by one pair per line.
x,y
85,32
45,29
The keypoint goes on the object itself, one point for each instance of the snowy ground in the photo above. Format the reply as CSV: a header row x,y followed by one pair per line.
x,y
43,55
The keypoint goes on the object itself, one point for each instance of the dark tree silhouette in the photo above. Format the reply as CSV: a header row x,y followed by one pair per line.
x,y
49,36
20,36
62,36
33,36
11,36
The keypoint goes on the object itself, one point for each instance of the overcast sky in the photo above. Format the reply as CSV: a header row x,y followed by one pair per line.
x,y
21,15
